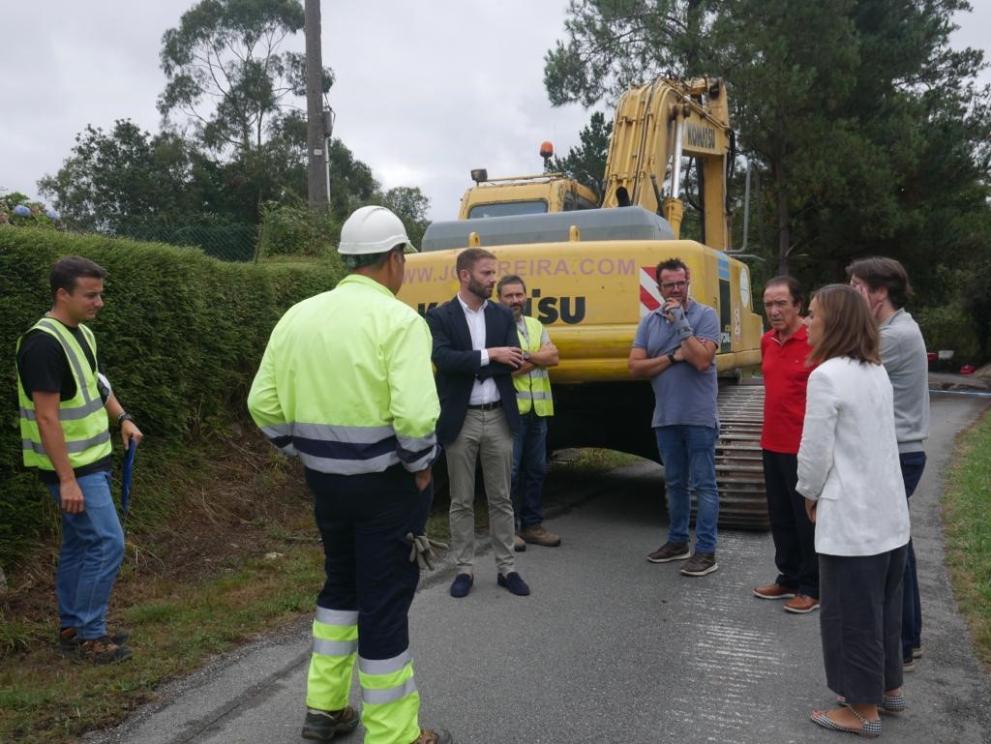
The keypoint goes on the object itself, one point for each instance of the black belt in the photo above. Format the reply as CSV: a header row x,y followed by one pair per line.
x,y
485,406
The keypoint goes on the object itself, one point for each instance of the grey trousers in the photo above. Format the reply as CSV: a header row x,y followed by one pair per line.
x,y
861,624
485,434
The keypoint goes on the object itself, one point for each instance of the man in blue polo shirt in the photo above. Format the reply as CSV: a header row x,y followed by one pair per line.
x,y
675,348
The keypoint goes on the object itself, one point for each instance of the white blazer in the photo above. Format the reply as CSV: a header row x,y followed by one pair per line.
x,y
848,460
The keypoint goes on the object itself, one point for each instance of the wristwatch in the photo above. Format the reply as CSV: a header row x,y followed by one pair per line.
x,y
124,417
526,356
671,358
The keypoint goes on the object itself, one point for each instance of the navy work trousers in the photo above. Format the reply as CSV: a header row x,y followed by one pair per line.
x,y
913,464
363,520
794,535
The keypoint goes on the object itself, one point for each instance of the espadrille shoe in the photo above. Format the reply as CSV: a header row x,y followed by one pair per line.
x,y
868,729
889,703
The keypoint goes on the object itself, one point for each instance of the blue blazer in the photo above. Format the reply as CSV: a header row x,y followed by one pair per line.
x,y
458,365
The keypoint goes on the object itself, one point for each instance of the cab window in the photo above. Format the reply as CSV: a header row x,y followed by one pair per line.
x,y
508,209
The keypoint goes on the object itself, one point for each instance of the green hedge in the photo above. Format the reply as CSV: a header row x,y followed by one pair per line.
x,y
180,338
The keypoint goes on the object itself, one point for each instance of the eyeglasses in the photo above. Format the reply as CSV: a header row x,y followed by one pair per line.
x,y
673,285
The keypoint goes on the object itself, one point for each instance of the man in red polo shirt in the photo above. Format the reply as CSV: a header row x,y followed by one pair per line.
x,y
784,351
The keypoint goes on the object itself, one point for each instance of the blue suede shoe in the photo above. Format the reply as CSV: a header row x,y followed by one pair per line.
x,y
514,583
461,585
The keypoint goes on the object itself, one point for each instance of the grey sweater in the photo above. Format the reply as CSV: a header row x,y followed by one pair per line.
x,y
903,353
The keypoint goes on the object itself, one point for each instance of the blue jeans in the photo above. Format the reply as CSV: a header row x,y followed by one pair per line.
x,y
912,464
91,554
689,454
529,469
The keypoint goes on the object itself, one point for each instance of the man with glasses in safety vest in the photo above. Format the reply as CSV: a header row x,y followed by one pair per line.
x,y
533,395
65,407
346,384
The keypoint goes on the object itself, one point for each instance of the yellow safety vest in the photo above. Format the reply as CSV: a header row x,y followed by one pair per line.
x,y
533,390
346,382
83,418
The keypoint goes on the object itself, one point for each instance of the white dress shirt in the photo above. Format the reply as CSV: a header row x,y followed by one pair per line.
x,y
483,391
848,460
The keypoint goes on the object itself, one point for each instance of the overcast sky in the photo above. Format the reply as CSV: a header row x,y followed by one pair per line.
x,y
424,91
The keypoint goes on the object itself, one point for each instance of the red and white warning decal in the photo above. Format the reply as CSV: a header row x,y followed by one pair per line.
x,y
650,295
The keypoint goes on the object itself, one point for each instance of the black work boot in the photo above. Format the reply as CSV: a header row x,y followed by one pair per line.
x,y
324,725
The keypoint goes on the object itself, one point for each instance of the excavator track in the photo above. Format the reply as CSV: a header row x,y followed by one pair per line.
x,y
739,463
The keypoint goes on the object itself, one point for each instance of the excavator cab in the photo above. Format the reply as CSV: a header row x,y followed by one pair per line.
x,y
521,195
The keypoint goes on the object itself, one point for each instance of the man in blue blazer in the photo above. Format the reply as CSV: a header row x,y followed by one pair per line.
x,y
475,350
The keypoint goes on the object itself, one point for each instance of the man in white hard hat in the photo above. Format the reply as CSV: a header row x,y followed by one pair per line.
x,y
346,384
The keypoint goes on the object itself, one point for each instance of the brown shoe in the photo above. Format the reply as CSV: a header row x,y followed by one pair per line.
x,y
69,640
540,536
518,545
102,651
439,736
774,591
670,551
700,564
324,725
802,604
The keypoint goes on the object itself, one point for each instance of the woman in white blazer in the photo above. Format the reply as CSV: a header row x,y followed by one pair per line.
x,y
849,474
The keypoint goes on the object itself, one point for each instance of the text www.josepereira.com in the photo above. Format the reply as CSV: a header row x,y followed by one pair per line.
x,y
533,267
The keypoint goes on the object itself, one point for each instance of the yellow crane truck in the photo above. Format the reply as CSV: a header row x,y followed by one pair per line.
x,y
590,276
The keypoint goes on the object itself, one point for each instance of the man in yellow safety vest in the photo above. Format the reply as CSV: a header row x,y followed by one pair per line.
x,y
346,384
65,405
533,394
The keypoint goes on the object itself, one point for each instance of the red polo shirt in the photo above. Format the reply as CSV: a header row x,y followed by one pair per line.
x,y
786,375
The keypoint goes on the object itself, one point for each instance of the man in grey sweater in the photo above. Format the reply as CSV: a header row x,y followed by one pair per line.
x,y
884,284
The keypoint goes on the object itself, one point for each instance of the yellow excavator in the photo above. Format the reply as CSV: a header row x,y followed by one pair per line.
x,y
590,277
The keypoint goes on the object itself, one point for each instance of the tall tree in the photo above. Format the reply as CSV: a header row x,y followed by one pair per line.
x,y
793,67
865,124
612,45
352,184
586,163
226,72
120,175
410,205
112,180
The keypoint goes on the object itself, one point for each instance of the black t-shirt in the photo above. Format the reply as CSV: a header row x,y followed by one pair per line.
x,y
44,367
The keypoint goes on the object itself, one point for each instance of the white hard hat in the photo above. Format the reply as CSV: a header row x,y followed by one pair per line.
x,y
373,230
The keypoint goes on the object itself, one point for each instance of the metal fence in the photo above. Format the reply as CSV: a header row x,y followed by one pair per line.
x,y
230,242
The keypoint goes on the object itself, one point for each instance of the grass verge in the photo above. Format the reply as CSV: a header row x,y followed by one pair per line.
x,y
221,547
590,460
966,503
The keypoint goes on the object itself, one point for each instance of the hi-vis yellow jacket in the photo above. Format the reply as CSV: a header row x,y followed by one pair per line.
x,y
346,382
533,390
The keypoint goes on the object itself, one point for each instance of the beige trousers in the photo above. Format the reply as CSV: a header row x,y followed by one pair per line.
x,y
485,434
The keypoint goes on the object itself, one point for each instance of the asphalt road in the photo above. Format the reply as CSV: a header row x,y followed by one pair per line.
x,y
612,648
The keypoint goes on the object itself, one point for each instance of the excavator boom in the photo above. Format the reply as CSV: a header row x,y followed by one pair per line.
x,y
655,128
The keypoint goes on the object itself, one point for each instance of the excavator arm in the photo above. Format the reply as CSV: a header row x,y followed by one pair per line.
x,y
656,127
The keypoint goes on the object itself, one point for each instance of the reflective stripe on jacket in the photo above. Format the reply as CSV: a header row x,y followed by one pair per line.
x,y
346,382
533,390
83,418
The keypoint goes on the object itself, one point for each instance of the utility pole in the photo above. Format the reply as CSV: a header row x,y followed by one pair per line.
x,y
316,136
